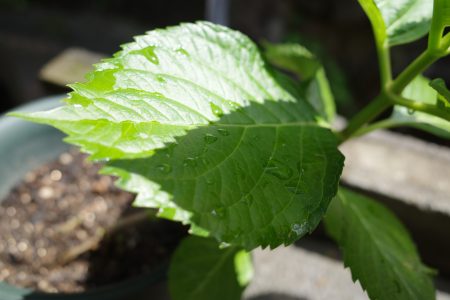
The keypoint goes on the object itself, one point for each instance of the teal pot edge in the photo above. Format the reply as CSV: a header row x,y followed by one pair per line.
x,y
25,146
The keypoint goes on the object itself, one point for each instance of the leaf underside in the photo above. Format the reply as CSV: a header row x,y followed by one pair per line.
x,y
193,120
377,249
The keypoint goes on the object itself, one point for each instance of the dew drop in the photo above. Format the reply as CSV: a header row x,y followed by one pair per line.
x,y
216,110
300,168
279,169
190,162
411,111
299,229
219,212
182,52
210,139
223,132
210,181
234,105
160,79
164,168
149,53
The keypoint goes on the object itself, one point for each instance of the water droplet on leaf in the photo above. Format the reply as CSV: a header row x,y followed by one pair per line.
x,y
149,53
234,105
190,162
182,52
143,135
299,229
210,139
279,169
216,110
164,168
160,79
223,132
219,212
411,111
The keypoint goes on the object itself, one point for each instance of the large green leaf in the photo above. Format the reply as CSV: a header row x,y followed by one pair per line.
x,y
208,133
297,59
419,90
398,21
199,270
377,249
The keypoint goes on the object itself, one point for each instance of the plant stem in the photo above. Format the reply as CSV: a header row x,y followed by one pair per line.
x,y
384,62
383,124
367,114
420,106
419,65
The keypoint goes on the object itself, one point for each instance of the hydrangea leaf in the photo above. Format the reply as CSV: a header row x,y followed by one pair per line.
x,y
193,119
215,274
420,90
398,21
306,66
377,249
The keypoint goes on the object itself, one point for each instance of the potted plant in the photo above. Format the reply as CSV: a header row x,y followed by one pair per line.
x,y
195,120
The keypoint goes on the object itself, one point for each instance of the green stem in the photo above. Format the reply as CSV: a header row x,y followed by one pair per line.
x,y
367,114
420,106
419,65
384,62
383,124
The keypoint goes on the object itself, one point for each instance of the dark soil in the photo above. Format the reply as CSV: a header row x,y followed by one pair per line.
x,y
65,228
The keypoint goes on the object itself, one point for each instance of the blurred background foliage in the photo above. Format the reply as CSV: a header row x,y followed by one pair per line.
x,y
337,31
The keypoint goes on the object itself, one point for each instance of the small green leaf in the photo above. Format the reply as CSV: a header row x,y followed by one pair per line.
x,y
419,90
293,57
398,21
319,94
297,59
377,249
199,270
193,120
443,92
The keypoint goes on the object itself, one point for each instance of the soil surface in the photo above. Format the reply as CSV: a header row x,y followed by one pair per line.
x,y
65,228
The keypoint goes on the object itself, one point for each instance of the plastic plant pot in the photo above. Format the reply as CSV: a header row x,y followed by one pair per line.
x,y
25,146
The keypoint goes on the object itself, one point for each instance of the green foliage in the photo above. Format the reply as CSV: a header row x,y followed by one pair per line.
x,y
398,21
378,249
307,67
293,57
201,271
443,93
195,122
227,144
419,90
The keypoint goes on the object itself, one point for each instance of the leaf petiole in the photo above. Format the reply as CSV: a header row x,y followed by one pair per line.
x,y
420,106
